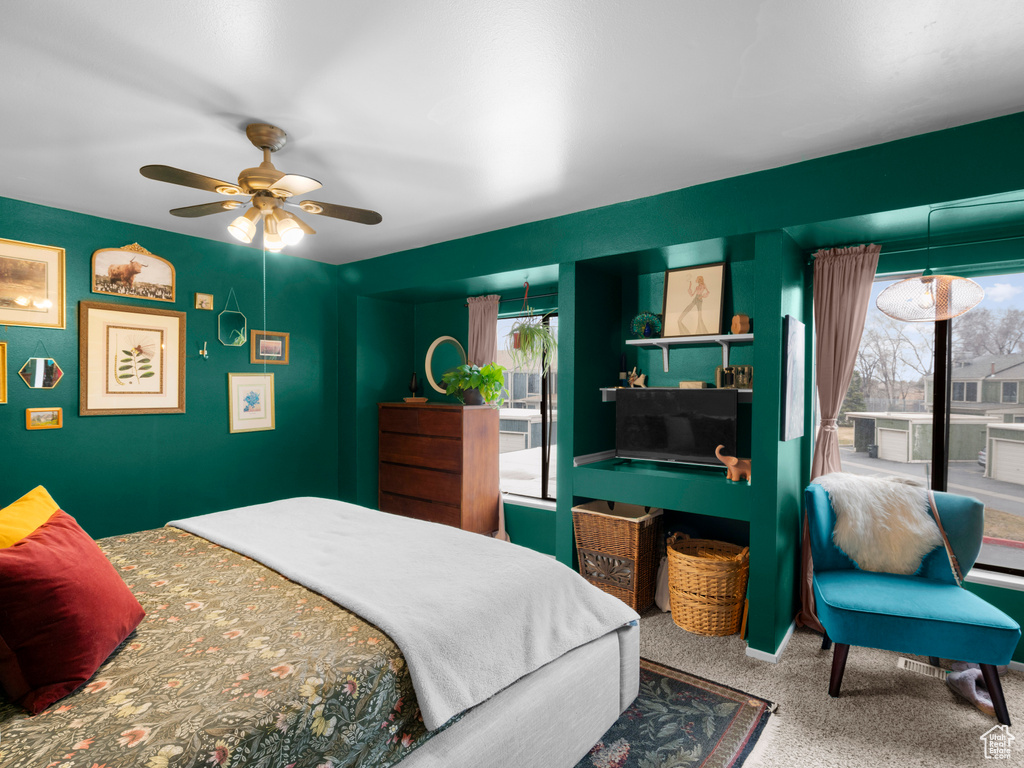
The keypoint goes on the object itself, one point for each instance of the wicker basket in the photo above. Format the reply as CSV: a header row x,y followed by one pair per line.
x,y
707,583
617,546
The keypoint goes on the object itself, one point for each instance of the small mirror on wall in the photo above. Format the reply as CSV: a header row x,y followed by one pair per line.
x,y
231,328
41,373
444,354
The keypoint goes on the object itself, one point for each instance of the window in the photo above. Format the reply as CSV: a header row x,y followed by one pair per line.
x,y
886,420
965,391
528,423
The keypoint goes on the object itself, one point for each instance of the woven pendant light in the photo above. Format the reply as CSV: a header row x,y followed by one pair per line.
x,y
929,298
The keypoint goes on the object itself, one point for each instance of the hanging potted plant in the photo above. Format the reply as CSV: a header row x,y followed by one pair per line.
x,y
475,385
531,343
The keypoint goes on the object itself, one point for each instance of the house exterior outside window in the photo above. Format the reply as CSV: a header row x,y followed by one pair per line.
x,y
965,391
1009,392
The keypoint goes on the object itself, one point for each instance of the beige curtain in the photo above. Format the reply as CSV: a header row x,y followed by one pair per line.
x,y
842,288
483,329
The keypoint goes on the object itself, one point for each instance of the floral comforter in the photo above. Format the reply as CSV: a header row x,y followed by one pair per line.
x,y
233,665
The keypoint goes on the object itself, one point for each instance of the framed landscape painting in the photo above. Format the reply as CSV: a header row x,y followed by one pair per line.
x,y
44,418
132,272
250,402
31,284
268,347
132,359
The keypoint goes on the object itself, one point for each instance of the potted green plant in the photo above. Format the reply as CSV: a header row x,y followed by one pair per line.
x,y
474,385
531,342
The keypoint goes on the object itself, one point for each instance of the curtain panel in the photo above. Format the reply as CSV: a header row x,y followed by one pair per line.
x,y
842,289
483,329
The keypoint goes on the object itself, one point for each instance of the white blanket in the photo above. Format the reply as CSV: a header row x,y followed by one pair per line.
x,y
882,524
470,614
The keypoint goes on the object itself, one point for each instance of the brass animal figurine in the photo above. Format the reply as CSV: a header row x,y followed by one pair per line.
x,y
736,469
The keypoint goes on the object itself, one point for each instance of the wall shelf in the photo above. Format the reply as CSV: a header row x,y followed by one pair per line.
x,y
667,342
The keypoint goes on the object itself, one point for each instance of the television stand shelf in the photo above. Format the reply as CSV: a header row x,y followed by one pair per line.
x,y
608,393
656,484
667,342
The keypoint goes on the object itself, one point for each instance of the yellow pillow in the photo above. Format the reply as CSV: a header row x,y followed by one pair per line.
x,y
25,515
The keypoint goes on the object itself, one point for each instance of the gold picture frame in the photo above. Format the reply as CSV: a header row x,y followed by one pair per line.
x,y
3,372
44,418
250,402
31,284
131,359
132,272
268,347
694,300
204,301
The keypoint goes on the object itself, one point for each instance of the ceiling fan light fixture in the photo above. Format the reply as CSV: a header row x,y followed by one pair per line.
x,y
244,227
289,229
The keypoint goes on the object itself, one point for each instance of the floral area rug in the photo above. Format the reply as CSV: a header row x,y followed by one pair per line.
x,y
681,721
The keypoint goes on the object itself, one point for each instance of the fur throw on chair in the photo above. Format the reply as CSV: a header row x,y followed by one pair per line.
x,y
881,524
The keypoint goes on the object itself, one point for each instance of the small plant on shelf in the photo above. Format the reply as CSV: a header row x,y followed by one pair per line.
x,y
475,385
532,343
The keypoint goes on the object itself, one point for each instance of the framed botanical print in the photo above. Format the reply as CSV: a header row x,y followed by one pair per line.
x,y
693,300
131,359
250,401
31,284
268,347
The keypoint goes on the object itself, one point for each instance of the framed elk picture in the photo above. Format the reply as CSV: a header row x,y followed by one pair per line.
x,y
132,272
131,359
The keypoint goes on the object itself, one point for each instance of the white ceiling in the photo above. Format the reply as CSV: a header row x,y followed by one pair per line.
x,y
454,117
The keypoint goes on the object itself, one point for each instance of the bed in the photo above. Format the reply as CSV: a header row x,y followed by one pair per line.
x,y
236,665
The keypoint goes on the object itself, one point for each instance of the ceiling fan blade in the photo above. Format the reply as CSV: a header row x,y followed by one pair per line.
x,y
205,209
358,215
293,184
189,179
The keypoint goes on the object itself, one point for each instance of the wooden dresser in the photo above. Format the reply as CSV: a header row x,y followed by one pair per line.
x,y
440,463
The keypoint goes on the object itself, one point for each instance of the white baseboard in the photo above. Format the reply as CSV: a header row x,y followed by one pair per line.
x,y
1017,666
773,657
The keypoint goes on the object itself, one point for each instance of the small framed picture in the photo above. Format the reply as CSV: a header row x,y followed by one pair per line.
x,y
250,402
3,371
268,347
693,300
44,418
792,378
204,301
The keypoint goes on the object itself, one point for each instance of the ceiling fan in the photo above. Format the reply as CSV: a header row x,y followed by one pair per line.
x,y
268,190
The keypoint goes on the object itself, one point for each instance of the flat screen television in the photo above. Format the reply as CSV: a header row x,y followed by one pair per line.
x,y
678,425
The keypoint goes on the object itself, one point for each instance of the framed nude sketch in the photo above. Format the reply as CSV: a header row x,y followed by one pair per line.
x,y
694,300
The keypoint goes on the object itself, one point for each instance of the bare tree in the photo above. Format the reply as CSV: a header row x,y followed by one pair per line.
x,y
987,332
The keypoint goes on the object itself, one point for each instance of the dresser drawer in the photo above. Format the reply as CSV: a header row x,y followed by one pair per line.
x,y
440,422
429,484
429,452
421,510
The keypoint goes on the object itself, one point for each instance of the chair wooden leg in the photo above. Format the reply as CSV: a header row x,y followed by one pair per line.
x,y
995,690
826,641
838,667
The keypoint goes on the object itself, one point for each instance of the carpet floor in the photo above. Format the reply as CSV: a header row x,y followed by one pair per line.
x,y
884,717
679,719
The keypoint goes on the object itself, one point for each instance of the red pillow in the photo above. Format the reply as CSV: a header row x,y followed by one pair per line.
x,y
63,611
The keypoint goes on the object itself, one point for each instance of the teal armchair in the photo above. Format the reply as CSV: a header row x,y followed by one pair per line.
x,y
925,614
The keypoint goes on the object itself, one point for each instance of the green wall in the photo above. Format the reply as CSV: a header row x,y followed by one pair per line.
x,y
117,474
764,224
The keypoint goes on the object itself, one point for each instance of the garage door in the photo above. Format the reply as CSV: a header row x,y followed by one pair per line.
x,y
1008,461
892,444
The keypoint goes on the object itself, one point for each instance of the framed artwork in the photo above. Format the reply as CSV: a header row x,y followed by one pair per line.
x,y
204,301
3,371
250,402
268,347
31,284
792,378
44,418
131,359
693,300
132,272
